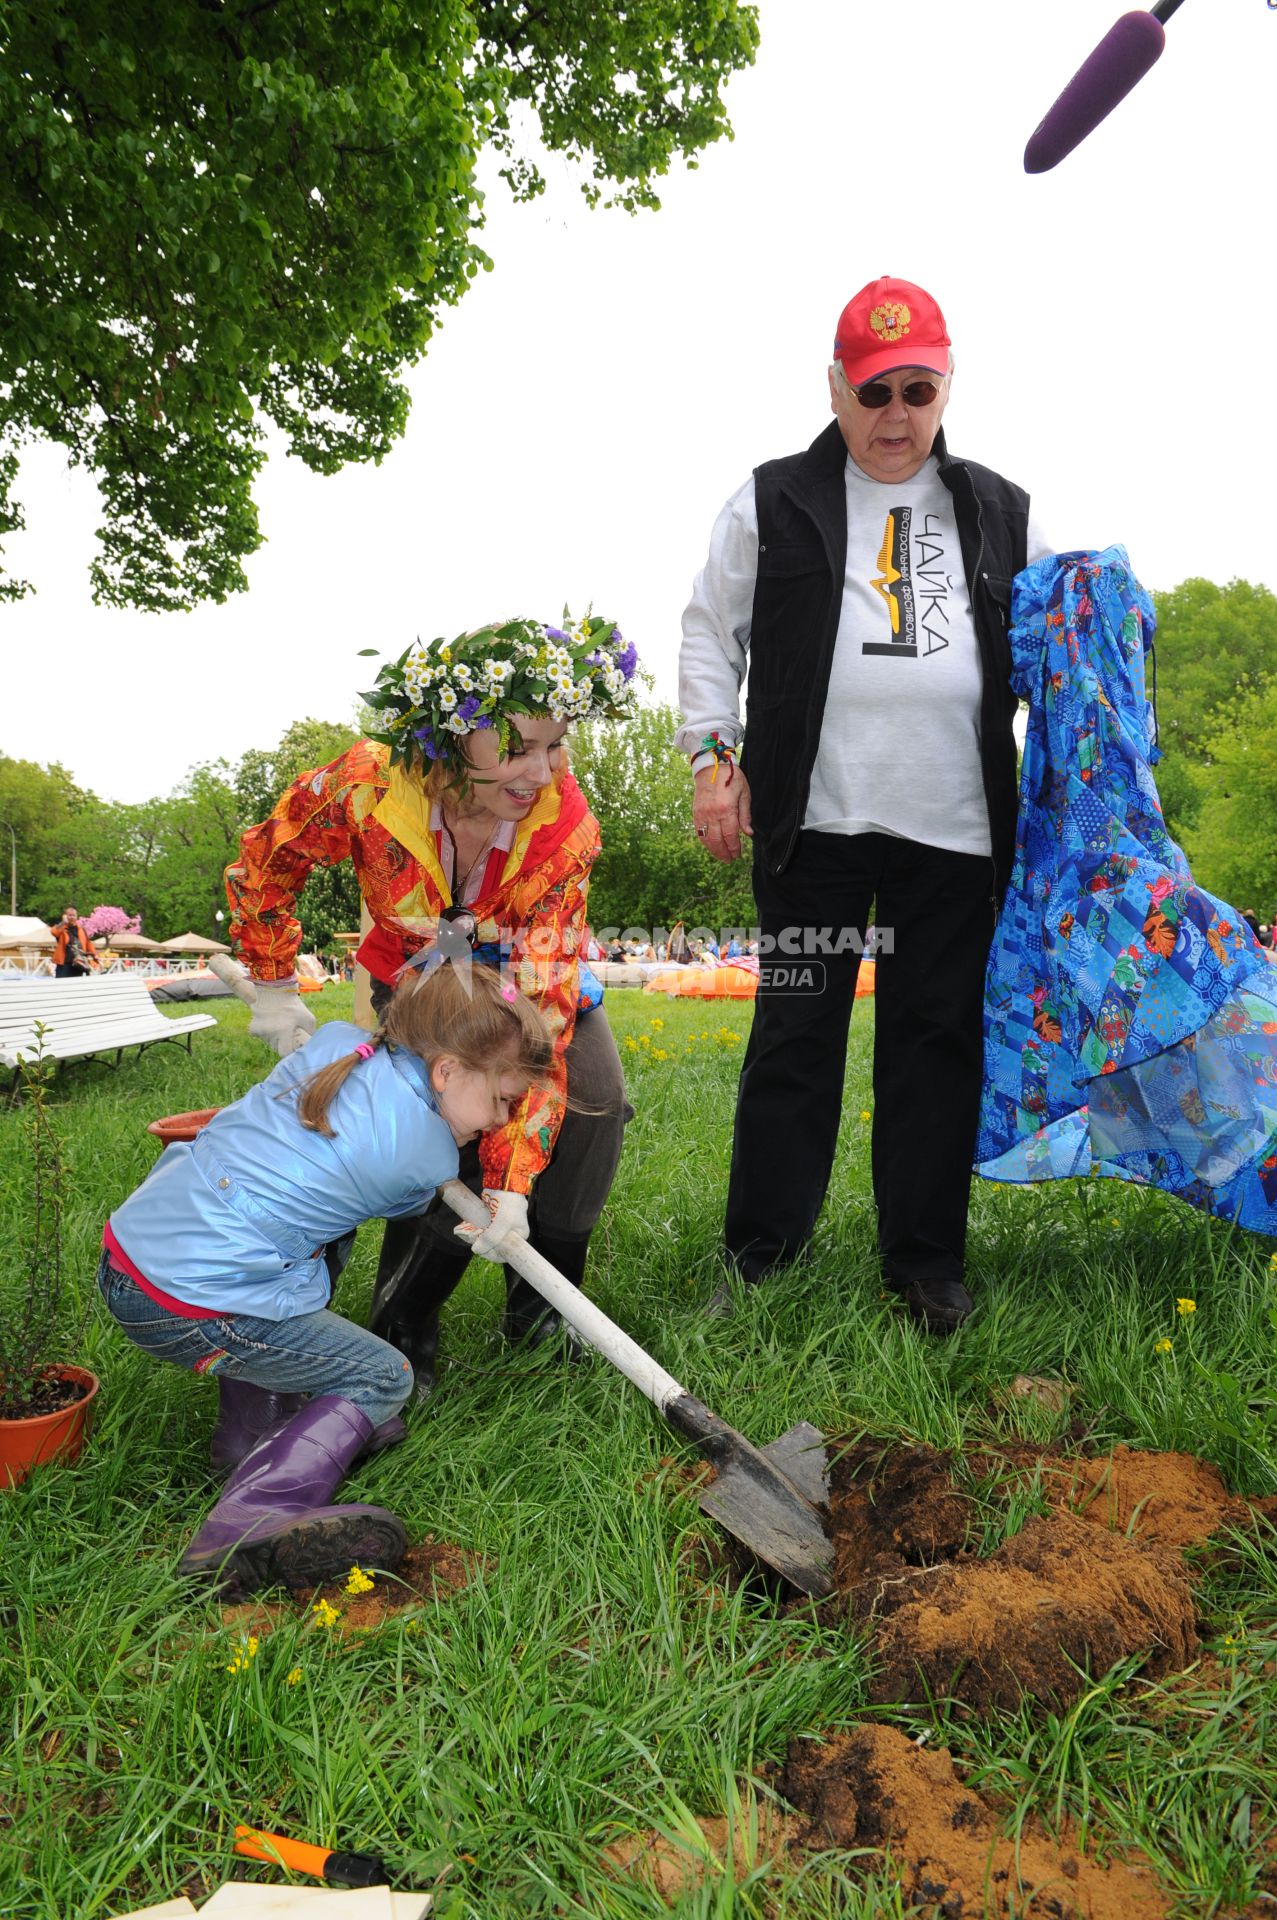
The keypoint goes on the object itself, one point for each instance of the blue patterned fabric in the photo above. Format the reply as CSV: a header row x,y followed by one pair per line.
x,y
1130,1024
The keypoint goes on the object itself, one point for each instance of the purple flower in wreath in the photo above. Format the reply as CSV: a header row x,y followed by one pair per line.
x,y
469,707
426,737
628,660
484,720
555,633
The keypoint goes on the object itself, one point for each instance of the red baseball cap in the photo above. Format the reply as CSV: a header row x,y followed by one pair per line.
x,y
888,324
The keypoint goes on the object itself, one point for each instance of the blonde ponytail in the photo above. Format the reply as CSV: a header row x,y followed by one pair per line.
x,y
321,1089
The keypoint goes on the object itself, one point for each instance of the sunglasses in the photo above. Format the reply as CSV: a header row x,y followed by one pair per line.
x,y
876,393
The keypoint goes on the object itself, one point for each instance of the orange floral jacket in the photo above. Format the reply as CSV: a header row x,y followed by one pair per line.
x,y
378,816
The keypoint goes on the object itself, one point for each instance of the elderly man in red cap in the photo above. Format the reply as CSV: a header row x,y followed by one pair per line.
x,y
866,586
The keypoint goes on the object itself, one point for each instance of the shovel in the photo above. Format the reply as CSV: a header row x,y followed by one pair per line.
x,y
768,1498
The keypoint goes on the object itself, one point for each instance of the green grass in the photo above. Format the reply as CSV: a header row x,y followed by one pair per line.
x,y
589,1682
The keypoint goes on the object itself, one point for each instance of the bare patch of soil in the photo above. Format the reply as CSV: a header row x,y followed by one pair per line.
x,y
675,1866
432,1570
873,1787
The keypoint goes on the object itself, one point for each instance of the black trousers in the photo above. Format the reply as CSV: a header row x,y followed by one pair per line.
x,y
937,910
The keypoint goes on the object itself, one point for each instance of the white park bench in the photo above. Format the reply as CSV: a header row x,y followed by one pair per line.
x,y
94,1015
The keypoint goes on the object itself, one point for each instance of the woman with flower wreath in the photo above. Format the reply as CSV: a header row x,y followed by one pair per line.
x,y
462,799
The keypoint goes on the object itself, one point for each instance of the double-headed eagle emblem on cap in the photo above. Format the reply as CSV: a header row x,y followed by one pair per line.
x,y
890,321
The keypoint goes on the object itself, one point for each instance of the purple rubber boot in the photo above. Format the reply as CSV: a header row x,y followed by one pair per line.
x,y
246,1414
273,1526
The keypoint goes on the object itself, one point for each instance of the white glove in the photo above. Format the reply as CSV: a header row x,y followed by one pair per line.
x,y
509,1222
280,1019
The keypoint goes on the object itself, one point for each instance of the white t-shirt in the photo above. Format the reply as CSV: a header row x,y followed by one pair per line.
x,y
899,747
900,744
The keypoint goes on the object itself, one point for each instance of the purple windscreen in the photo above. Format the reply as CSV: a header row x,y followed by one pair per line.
x,y
1123,56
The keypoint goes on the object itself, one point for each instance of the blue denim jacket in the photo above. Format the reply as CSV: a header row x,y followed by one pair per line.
x,y
238,1220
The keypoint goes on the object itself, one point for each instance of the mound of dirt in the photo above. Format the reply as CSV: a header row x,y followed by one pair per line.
x,y
874,1788
1066,1597
1172,1499
1058,1602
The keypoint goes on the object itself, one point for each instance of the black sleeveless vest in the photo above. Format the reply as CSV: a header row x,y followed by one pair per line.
x,y
802,561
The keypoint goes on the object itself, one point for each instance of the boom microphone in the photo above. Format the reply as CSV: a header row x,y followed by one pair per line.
x,y
1122,58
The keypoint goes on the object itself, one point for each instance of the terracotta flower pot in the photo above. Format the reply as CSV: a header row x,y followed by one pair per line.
x,y
56,1436
181,1126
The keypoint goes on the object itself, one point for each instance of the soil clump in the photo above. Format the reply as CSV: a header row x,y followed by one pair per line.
x,y
1066,1597
874,1788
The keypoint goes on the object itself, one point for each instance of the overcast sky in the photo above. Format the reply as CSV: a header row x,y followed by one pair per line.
x,y
588,407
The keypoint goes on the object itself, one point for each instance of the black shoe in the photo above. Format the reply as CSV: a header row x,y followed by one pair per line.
x,y
722,1306
940,1306
415,1276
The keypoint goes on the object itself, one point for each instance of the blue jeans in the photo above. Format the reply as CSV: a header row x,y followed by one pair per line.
x,y
314,1353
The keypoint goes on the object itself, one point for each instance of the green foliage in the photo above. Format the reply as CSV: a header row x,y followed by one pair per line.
x,y
653,870
33,1277
164,858
1213,643
218,215
1232,843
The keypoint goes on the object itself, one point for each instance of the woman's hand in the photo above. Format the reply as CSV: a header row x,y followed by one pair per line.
x,y
720,809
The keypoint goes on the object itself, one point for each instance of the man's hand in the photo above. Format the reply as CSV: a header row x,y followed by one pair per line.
x,y
280,1019
509,1222
720,809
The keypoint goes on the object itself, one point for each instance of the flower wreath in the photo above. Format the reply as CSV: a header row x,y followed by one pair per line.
x,y
433,695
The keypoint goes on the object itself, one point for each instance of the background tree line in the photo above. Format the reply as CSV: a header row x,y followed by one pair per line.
x,y
163,859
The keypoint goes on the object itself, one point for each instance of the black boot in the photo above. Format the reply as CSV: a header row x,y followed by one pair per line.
x,y
530,1318
415,1276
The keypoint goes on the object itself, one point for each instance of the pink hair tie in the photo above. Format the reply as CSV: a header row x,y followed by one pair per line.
x,y
365,1050
507,993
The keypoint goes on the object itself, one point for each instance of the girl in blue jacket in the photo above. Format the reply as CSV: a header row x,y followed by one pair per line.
x,y
222,1260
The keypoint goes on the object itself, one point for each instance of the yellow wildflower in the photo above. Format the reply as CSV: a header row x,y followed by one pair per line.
x,y
645,1039
631,1043
357,1581
247,1652
294,1675
656,1022
326,1614
659,1053
1162,1346
866,1115
1185,1306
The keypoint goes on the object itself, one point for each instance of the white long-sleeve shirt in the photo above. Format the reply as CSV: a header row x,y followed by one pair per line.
x,y
899,749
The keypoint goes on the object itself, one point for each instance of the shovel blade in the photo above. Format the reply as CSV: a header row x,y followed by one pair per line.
x,y
769,1498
